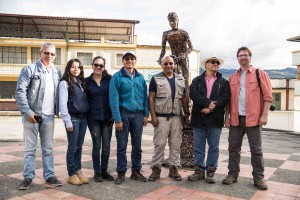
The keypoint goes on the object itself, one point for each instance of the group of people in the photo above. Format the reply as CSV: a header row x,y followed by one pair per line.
x,y
100,100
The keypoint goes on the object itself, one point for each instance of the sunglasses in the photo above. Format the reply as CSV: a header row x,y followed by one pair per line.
x,y
99,65
168,63
214,62
48,53
128,58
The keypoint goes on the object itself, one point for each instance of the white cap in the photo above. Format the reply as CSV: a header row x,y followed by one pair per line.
x,y
129,52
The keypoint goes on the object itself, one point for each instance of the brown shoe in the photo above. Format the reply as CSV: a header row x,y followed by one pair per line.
x,y
74,180
173,173
138,176
229,180
199,174
155,173
81,177
260,184
120,178
210,172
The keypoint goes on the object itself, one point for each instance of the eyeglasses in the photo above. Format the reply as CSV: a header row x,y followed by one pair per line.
x,y
98,65
48,53
129,58
168,63
244,55
214,62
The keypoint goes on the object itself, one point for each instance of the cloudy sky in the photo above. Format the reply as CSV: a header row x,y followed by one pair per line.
x,y
216,27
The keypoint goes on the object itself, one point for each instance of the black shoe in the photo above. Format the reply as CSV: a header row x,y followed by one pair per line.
x,y
155,173
106,176
25,184
120,179
98,177
53,181
138,176
173,173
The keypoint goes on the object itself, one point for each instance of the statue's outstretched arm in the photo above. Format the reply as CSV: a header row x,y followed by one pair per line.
x,y
163,47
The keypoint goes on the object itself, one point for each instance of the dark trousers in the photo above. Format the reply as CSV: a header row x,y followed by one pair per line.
x,y
236,134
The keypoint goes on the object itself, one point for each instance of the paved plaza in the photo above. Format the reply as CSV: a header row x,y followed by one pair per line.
x,y
281,156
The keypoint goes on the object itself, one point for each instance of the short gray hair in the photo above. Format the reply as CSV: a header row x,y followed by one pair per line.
x,y
47,45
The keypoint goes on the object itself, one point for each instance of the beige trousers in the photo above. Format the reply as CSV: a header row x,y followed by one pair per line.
x,y
167,130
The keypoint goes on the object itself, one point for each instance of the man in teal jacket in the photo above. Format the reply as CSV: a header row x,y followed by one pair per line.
x,y
129,106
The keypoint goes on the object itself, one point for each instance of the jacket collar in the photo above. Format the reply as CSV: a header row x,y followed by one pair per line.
x,y
123,72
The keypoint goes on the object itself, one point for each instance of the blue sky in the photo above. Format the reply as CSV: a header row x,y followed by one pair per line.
x,y
216,27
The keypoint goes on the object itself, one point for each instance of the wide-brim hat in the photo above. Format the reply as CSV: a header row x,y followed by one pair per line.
x,y
211,58
128,52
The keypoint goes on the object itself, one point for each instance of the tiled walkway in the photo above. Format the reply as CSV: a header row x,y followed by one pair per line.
x,y
282,172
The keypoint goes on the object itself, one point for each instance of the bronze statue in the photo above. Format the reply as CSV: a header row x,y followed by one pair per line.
x,y
181,45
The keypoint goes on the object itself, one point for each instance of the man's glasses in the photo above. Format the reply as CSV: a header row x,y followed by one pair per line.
x,y
48,53
99,65
244,55
168,63
128,58
214,62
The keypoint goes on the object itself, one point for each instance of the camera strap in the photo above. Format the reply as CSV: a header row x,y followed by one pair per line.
x,y
258,80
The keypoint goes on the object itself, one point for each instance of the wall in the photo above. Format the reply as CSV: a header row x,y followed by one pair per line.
x,y
284,120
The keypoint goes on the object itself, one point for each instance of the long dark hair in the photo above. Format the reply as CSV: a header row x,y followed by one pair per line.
x,y
70,79
105,72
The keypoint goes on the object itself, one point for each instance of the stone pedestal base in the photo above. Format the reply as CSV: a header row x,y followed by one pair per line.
x,y
187,147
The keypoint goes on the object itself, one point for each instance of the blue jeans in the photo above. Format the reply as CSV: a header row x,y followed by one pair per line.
x,y
133,123
212,136
101,135
45,129
75,142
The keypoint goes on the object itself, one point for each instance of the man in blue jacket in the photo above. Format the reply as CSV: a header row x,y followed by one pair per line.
x,y
37,100
129,106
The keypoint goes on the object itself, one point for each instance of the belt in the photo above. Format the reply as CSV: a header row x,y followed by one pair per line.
x,y
242,116
131,112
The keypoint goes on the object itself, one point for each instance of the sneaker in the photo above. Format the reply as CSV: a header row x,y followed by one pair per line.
x,y
260,184
98,177
81,177
173,173
229,180
106,176
120,179
199,174
210,172
25,184
155,173
138,176
53,181
74,180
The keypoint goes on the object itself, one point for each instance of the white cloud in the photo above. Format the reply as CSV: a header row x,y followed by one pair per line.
x,y
216,27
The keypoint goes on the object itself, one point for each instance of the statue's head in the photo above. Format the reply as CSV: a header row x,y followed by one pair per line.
x,y
173,20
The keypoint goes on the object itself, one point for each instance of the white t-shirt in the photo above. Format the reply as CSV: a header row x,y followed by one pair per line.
x,y
49,98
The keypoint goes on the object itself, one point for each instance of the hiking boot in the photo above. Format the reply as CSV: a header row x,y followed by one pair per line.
x,y
210,172
155,173
53,181
74,180
229,180
138,176
260,184
106,176
120,179
199,174
81,177
98,177
25,184
173,173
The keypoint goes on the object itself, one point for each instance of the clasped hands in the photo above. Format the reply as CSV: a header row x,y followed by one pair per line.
x,y
210,108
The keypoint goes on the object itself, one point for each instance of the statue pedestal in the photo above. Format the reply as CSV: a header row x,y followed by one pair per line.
x,y
187,147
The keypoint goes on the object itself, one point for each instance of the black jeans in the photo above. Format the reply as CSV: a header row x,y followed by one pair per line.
x,y
235,140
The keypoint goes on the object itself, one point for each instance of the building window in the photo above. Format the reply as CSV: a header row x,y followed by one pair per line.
x,y
119,59
85,58
35,55
13,55
8,89
277,100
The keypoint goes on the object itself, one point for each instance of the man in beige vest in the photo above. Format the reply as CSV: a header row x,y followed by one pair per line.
x,y
167,95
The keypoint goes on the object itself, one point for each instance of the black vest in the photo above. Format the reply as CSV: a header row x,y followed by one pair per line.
x,y
77,102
